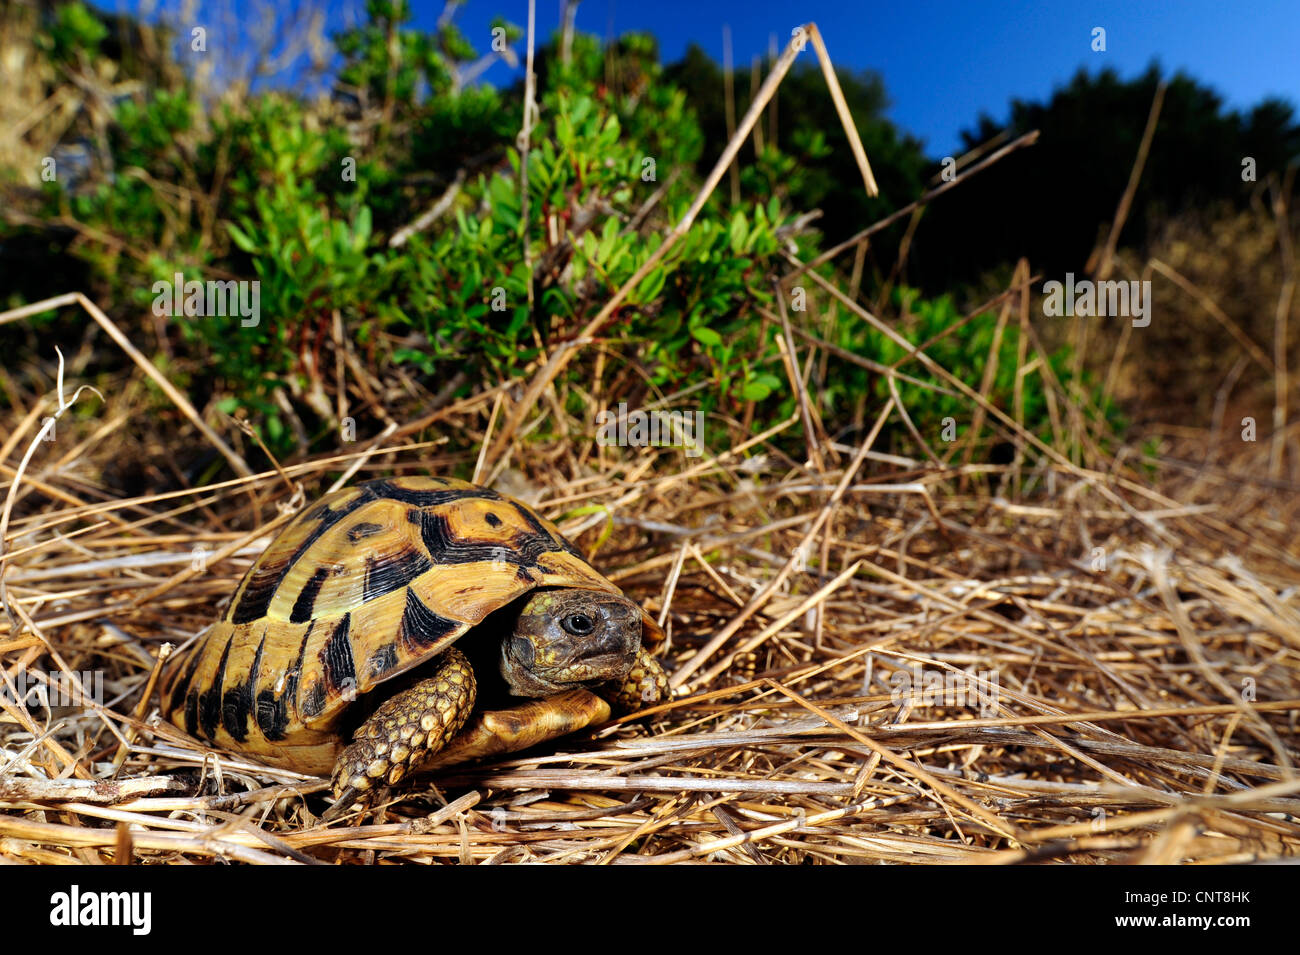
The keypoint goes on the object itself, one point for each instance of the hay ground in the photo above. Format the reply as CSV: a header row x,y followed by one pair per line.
x,y
1103,668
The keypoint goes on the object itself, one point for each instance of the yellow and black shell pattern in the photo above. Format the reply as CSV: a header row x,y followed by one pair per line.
x,y
368,583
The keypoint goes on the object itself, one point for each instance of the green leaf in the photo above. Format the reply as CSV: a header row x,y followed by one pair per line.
x,y
706,336
739,229
652,285
241,238
361,229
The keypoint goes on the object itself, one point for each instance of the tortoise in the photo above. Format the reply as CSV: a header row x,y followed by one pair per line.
x,y
345,625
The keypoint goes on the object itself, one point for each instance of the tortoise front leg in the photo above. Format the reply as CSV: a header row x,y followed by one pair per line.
x,y
405,731
645,685
495,732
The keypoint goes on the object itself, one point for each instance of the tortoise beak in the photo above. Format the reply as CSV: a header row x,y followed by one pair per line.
x,y
614,643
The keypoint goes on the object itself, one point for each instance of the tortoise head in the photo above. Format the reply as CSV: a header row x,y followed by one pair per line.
x,y
570,638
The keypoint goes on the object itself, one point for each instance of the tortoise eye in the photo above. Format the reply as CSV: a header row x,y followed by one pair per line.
x,y
578,624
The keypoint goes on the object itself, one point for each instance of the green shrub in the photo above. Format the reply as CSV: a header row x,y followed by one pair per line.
x,y
303,197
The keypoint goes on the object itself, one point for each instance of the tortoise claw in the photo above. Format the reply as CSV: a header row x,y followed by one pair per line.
x,y
645,685
342,804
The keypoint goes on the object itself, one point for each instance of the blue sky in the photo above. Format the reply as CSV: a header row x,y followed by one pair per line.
x,y
945,62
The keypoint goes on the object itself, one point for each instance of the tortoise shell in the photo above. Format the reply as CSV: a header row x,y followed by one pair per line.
x,y
373,580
